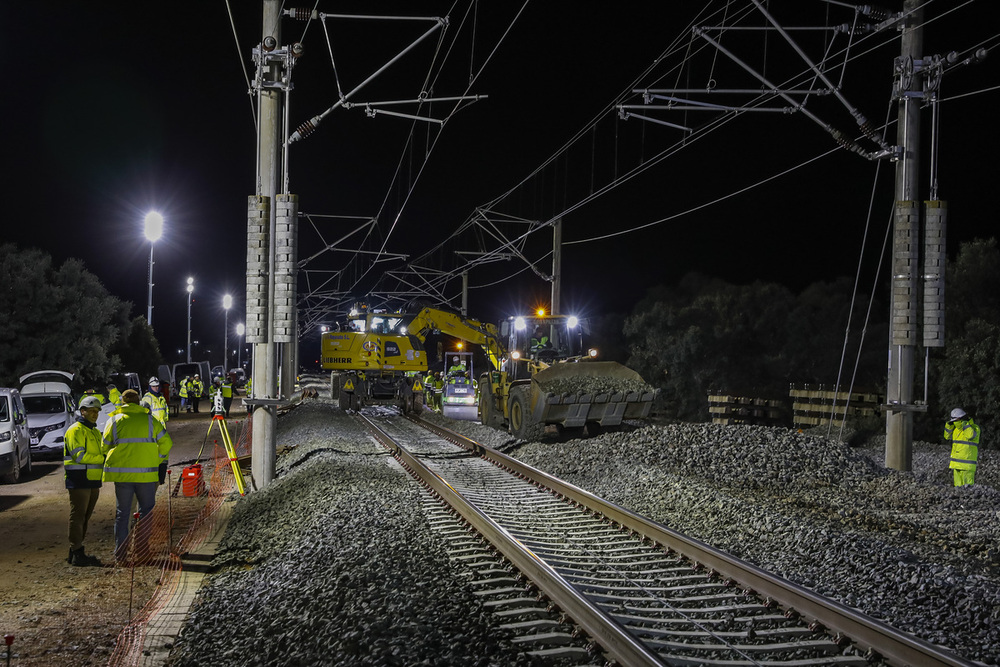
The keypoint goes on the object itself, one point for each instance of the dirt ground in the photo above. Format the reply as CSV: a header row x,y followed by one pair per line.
x,y
65,615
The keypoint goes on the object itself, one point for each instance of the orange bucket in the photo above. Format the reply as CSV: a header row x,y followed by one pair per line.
x,y
192,483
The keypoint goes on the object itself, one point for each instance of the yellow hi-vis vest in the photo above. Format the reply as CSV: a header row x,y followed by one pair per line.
x,y
115,396
135,444
183,391
964,436
157,405
82,457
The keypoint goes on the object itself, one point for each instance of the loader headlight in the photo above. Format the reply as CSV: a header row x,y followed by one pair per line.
x,y
572,321
520,324
592,353
515,355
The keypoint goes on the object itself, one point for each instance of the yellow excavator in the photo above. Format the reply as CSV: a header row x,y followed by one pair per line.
x,y
542,375
374,361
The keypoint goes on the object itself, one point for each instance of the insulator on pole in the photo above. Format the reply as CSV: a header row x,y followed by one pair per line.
x,y
258,248
906,251
286,258
935,258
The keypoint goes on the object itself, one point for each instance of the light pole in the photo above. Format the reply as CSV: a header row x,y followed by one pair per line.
x,y
240,330
153,231
190,289
227,303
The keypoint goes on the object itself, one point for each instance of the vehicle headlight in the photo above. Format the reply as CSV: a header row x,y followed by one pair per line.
x,y
53,427
572,321
5,436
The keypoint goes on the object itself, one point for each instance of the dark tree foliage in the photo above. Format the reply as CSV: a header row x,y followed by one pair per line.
x,y
605,334
55,318
964,374
139,350
753,340
821,333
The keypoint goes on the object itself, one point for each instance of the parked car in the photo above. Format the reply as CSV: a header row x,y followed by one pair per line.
x,y
15,451
51,409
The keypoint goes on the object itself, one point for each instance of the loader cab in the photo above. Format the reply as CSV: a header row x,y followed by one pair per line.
x,y
544,339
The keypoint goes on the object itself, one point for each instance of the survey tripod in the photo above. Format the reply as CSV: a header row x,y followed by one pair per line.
x,y
219,419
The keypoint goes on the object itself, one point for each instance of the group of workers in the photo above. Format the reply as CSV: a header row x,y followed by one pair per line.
x,y
434,382
131,451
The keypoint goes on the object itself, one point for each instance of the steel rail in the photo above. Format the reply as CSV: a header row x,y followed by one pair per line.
x,y
883,641
615,640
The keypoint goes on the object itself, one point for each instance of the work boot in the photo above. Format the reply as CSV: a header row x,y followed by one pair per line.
x,y
78,558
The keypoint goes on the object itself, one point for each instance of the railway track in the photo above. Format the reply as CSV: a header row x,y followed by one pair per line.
x,y
645,594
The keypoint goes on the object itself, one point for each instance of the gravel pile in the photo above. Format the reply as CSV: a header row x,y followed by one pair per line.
x,y
334,564
907,548
594,386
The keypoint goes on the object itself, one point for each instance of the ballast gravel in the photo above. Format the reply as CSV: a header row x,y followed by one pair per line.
x,y
333,563
907,548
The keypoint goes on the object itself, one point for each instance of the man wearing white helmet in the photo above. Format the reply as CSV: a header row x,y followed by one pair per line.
x,y
156,402
964,436
83,462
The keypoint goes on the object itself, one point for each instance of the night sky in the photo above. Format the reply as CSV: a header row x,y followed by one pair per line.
x,y
110,112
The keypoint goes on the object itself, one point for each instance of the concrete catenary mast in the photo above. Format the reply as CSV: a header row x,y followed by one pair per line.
x,y
260,251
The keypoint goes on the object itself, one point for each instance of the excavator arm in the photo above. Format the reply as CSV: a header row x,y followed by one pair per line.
x,y
472,331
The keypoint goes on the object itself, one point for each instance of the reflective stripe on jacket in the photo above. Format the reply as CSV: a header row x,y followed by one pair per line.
x,y
197,389
227,390
183,391
964,436
157,405
136,444
82,457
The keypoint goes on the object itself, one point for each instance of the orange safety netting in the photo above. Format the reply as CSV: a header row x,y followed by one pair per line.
x,y
160,540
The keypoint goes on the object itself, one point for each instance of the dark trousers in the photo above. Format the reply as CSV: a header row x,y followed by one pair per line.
x,y
194,402
145,493
81,506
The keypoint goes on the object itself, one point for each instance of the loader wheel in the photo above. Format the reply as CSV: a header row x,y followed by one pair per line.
x,y
521,425
418,403
487,411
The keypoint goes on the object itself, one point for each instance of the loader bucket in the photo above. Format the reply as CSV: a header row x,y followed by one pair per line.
x,y
602,392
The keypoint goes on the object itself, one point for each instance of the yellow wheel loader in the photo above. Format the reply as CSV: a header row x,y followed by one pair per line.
x,y
541,374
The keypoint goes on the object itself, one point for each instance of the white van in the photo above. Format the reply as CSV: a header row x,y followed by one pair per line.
x,y
51,410
15,452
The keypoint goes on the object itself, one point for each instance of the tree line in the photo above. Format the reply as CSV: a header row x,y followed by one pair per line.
x,y
705,335
63,318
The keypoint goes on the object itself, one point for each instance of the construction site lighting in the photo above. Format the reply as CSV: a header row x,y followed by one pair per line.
x,y
572,321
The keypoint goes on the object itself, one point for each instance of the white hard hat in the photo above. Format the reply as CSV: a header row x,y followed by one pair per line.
x,y
154,382
957,413
90,402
